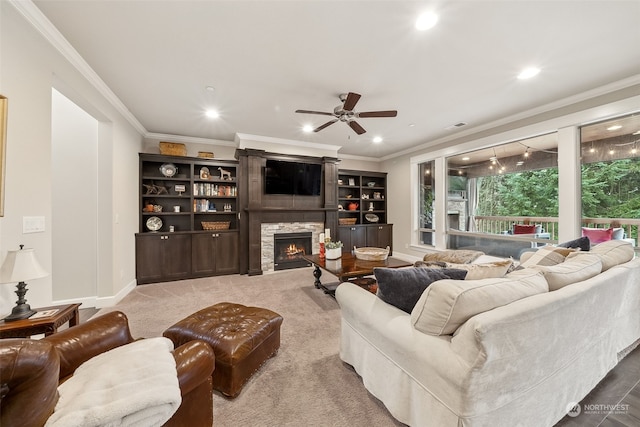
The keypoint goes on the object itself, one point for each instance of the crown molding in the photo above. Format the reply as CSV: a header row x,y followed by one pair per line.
x,y
561,103
189,139
362,158
273,140
36,18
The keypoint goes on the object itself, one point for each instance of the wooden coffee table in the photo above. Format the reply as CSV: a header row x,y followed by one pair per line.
x,y
348,268
44,325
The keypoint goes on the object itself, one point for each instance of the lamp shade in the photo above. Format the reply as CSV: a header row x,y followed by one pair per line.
x,y
20,266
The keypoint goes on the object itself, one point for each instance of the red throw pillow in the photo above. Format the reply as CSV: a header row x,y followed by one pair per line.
x,y
597,235
524,229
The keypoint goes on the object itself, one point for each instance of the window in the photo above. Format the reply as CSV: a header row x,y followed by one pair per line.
x,y
493,189
610,165
427,199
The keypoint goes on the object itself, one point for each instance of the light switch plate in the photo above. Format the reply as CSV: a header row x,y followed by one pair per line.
x,y
32,224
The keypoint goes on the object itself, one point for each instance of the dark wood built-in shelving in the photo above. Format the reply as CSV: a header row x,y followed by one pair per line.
x,y
189,250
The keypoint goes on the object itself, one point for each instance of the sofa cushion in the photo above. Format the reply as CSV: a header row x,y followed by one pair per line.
x,y
485,270
577,267
447,304
547,255
597,235
524,229
613,252
460,256
402,287
581,242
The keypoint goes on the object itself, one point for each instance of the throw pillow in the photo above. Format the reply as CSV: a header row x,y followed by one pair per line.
x,y
597,235
614,252
547,255
460,256
447,304
524,229
582,242
577,267
402,287
618,233
484,271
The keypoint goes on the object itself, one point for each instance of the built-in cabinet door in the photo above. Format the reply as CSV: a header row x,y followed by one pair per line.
x,y
149,254
215,253
162,257
227,260
203,254
177,256
351,236
379,236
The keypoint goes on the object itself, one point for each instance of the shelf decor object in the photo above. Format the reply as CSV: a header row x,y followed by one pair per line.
x,y
20,266
371,254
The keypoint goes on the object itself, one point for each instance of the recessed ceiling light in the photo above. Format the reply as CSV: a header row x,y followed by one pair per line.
x,y
307,128
636,132
377,139
466,158
411,125
614,127
527,73
210,89
212,114
426,21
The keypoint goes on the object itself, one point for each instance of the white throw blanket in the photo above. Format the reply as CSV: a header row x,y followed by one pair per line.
x,y
133,385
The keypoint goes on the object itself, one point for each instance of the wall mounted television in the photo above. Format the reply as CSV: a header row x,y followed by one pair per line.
x,y
283,177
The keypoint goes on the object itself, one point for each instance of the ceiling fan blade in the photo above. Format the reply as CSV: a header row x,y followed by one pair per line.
x,y
351,101
356,127
389,113
314,112
329,123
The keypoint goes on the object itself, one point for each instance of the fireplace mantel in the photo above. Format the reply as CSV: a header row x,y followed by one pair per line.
x,y
258,208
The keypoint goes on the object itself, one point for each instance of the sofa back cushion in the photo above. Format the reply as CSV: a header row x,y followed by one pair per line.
x,y
613,252
447,304
546,255
577,267
485,270
460,256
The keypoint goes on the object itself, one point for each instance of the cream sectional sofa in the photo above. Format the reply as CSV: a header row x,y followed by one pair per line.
x,y
522,363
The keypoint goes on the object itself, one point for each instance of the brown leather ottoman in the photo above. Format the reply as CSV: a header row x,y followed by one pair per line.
x,y
242,338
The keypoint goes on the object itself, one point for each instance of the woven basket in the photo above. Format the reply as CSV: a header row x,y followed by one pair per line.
x,y
215,225
371,254
173,149
205,154
347,221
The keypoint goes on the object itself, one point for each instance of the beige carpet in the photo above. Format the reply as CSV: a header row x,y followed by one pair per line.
x,y
305,384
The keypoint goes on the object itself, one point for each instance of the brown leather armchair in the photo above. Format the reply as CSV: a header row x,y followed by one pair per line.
x,y
30,371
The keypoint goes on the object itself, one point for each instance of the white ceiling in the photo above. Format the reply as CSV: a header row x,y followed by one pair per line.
x,y
266,59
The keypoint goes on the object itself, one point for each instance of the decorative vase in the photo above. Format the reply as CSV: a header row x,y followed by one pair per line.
x,y
333,253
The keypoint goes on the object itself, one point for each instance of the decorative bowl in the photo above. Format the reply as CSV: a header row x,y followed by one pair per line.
x,y
371,254
371,184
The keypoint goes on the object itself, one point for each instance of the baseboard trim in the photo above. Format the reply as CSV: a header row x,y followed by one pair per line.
x,y
100,302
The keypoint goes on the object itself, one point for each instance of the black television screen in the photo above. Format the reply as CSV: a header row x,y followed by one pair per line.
x,y
282,177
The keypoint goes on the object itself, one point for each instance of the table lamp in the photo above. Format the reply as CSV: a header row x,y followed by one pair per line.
x,y
20,266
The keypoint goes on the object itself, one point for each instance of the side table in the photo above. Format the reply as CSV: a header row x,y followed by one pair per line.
x,y
44,325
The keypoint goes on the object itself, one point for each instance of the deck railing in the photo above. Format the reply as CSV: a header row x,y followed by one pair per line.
x,y
500,224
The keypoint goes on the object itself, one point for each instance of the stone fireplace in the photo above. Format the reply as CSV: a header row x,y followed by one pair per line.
x,y
277,238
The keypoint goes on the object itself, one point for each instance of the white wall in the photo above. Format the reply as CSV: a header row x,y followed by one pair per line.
x,y
74,165
29,68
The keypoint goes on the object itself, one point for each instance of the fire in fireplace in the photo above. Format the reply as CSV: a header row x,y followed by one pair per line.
x,y
289,248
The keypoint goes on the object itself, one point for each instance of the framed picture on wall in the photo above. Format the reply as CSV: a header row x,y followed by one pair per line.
x,y
4,108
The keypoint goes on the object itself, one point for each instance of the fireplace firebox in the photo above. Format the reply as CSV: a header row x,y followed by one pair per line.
x,y
289,248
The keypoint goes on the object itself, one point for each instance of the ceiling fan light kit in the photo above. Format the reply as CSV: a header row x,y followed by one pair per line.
x,y
345,113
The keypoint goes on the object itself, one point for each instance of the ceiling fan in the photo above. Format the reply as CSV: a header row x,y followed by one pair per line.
x,y
344,113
